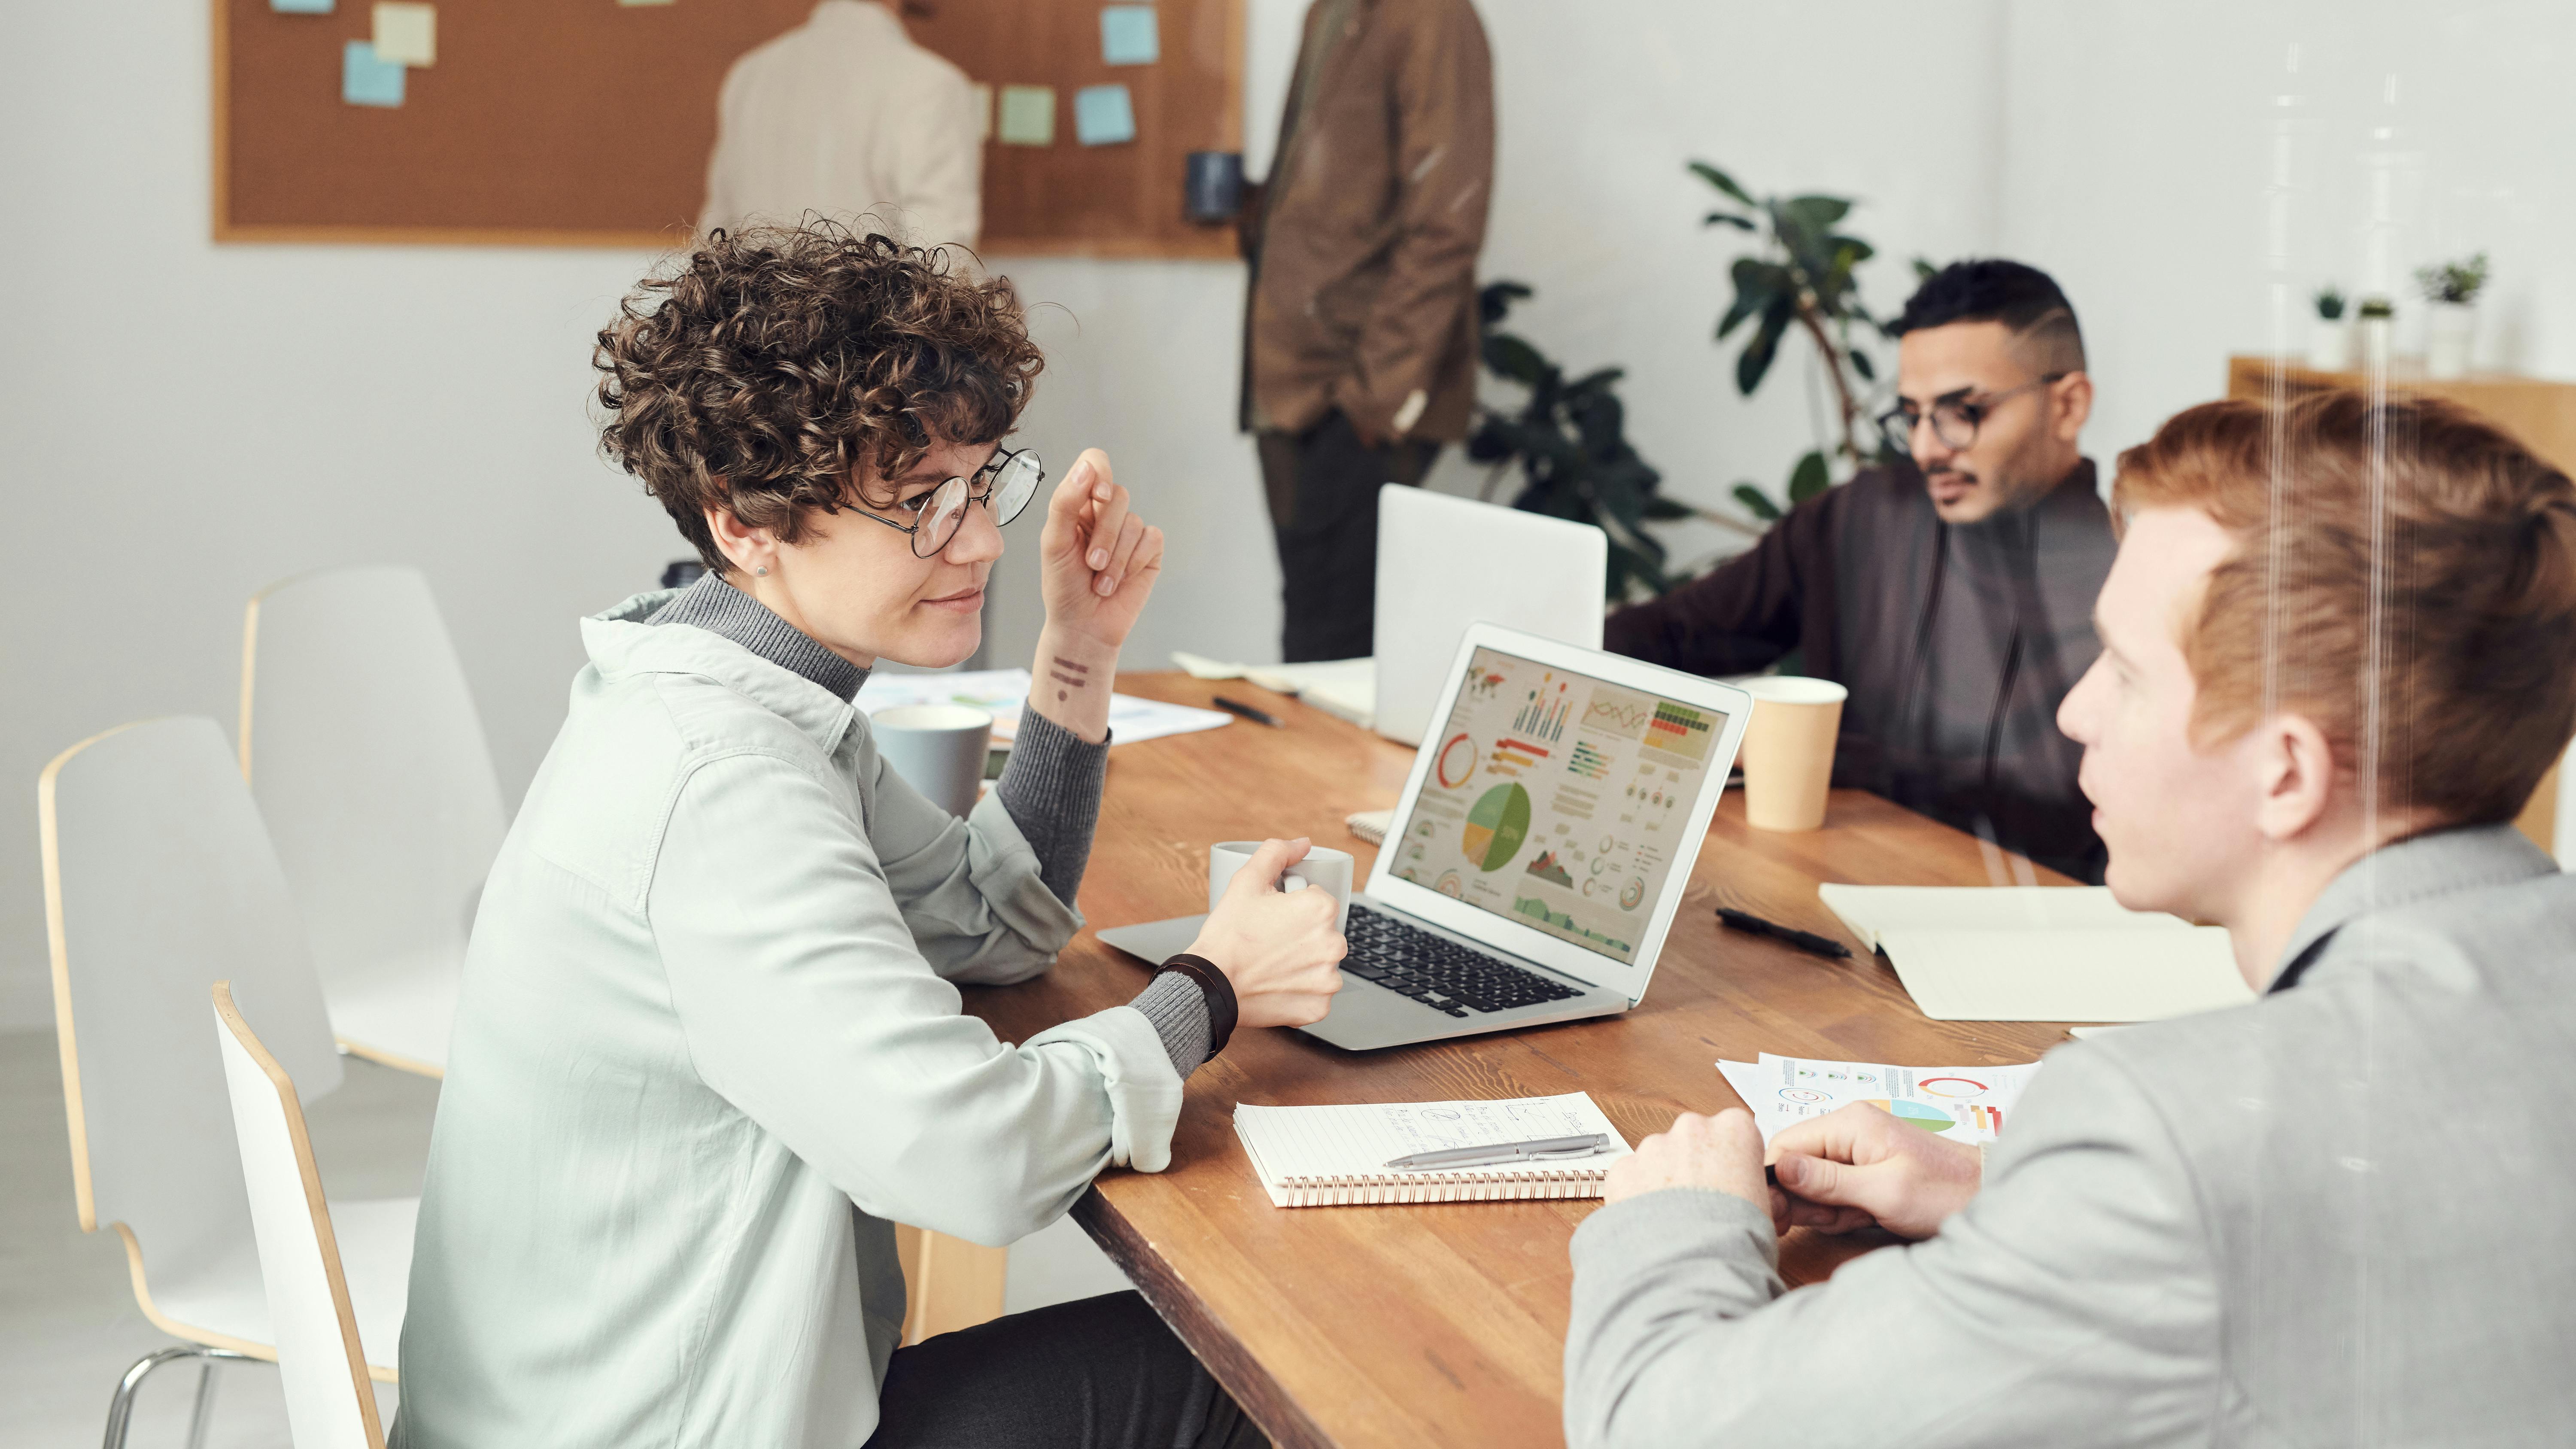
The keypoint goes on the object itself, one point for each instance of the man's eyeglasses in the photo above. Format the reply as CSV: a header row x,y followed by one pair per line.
x,y
1005,484
1955,416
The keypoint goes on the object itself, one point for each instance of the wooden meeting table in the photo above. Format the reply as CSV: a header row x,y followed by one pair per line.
x,y
1444,1324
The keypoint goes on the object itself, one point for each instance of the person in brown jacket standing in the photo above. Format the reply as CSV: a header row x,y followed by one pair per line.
x,y
1360,329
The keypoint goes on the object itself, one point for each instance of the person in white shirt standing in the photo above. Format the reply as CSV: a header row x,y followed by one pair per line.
x,y
846,116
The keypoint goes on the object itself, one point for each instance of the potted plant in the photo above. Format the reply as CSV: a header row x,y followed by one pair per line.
x,y
1570,438
2451,324
1803,279
2378,319
2330,341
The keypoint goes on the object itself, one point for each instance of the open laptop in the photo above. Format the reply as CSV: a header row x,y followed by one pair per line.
x,y
1444,562
1540,851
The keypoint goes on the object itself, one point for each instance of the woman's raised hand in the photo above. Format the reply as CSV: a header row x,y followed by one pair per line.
x,y
1099,558
1281,952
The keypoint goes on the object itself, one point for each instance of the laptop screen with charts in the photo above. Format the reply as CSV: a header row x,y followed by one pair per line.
x,y
1556,807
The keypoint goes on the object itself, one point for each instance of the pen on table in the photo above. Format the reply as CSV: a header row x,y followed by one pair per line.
x,y
1536,1150
1257,716
1804,940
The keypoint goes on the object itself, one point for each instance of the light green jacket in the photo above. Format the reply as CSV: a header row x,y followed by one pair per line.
x,y
709,1053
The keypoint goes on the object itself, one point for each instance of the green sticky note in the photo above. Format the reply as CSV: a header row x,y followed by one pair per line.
x,y
1028,116
367,79
1128,35
300,7
1102,116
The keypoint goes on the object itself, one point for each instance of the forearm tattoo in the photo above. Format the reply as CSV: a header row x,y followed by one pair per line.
x,y
1068,674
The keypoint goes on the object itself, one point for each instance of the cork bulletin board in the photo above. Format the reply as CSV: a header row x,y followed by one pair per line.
x,y
589,122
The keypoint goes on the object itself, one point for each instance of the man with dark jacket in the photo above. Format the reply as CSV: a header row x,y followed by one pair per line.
x,y
1360,330
1951,593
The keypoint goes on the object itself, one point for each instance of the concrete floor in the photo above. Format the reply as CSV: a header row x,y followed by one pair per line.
x,y
68,1324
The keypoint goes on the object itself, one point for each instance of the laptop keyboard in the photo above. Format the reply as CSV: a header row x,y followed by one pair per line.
x,y
1437,971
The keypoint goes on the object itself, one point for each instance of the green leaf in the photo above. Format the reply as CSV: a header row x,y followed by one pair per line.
x,y
1757,502
1757,284
1756,358
1728,218
1667,510
1819,212
1497,298
1721,181
1809,478
1510,357
1861,364
1924,271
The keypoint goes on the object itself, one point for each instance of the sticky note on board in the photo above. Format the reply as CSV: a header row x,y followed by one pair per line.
x,y
1128,35
367,79
632,3
1028,116
300,7
406,33
1102,116
983,104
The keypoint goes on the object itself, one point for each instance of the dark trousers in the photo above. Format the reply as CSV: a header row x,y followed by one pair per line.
x,y
1102,1373
1322,485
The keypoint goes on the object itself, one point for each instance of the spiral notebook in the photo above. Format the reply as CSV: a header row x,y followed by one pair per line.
x,y
1336,1156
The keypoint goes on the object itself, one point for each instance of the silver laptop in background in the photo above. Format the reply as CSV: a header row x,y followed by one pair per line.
x,y
1540,851
1445,562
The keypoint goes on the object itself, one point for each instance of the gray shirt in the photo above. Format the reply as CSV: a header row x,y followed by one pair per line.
x,y
2345,1214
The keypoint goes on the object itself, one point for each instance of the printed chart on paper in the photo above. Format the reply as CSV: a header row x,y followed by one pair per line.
x,y
1962,1104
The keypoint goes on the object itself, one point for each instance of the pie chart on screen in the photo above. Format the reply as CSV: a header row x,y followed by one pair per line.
x,y
1920,1114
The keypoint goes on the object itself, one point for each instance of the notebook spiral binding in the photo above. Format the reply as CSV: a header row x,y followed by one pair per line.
x,y
1361,1189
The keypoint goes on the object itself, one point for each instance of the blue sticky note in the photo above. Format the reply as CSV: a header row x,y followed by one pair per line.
x,y
300,7
1128,36
366,80
1102,116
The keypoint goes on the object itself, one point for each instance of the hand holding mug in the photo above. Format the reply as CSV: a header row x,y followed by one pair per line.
x,y
1281,951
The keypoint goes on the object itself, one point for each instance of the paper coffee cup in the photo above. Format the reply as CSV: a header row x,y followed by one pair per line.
x,y
1322,869
1788,750
937,748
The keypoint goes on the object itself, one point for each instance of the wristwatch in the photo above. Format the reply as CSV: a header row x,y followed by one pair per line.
x,y
1218,991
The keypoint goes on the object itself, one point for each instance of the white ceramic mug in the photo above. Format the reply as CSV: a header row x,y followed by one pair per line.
x,y
1322,869
938,748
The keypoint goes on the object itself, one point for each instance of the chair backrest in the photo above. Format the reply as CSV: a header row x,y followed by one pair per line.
x,y
160,882
362,746
329,1403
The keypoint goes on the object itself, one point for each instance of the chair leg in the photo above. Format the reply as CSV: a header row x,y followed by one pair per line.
x,y
120,1408
205,1402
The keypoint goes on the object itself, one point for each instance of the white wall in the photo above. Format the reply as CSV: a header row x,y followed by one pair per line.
x,y
2192,170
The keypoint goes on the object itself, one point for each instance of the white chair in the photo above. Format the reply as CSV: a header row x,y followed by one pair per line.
x,y
361,744
159,882
329,1404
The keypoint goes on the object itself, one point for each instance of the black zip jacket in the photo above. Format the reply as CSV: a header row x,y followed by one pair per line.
x,y
1957,643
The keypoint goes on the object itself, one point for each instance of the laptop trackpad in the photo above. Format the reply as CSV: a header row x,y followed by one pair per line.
x,y
1155,942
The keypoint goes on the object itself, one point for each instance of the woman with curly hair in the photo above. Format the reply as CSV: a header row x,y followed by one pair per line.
x,y
709,1049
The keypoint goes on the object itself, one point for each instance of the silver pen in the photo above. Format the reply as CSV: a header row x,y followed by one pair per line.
x,y
1538,1150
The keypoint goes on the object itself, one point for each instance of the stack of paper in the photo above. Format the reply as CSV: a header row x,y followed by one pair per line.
x,y
2038,953
1004,692
1342,688
1963,1104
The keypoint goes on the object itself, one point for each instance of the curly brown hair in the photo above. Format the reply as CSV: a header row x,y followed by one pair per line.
x,y
771,362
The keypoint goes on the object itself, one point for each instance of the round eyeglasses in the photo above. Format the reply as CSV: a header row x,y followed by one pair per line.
x,y
1005,484
1955,416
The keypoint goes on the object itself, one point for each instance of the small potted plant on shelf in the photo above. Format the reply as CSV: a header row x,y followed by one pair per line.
x,y
2378,317
2330,341
2451,323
